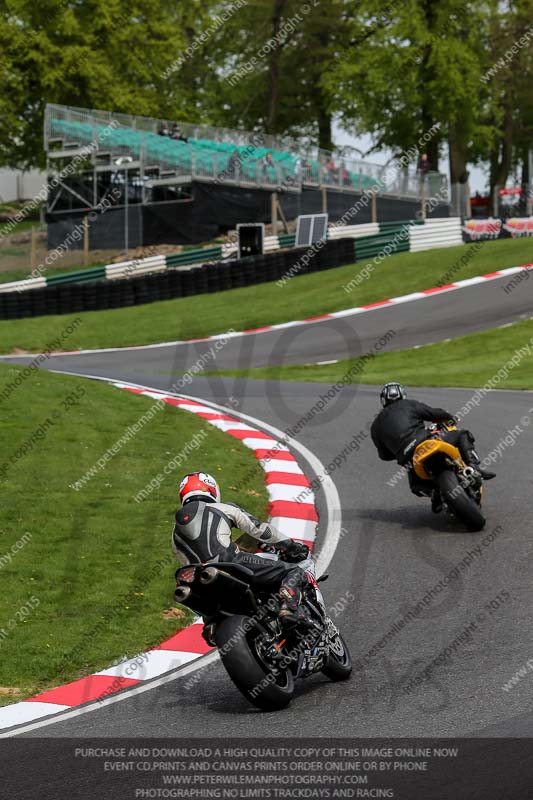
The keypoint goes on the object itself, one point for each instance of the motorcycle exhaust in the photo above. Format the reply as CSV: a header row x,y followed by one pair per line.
x,y
182,594
208,575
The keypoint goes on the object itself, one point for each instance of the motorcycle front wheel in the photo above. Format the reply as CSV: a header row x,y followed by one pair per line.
x,y
338,666
266,689
459,502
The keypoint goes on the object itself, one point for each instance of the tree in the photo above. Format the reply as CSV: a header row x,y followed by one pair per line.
x,y
419,69
109,54
508,82
249,71
274,65
396,69
269,64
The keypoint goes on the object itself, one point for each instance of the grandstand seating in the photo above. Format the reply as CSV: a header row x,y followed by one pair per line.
x,y
204,159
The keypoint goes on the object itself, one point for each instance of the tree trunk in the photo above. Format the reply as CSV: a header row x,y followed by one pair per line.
x,y
458,171
426,77
494,159
432,146
323,115
325,135
525,178
274,68
504,167
524,156
458,162
502,155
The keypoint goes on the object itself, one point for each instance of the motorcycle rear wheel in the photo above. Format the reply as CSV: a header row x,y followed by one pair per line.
x,y
249,674
459,502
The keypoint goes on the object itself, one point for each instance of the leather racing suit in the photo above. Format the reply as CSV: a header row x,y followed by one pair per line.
x,y
399,428
203,534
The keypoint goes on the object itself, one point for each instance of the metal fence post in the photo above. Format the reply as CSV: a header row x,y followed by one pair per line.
x,y
33,248
85,241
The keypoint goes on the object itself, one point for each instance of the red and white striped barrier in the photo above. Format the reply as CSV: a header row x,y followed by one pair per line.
x,y
285,482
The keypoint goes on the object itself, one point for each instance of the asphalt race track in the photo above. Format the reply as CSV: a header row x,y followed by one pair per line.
x,y
392,553
436,317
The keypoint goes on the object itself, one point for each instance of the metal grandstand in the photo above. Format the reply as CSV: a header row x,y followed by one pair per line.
x,y
89,150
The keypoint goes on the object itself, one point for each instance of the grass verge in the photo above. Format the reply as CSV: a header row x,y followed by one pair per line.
x,y
88,575
265,304
469,361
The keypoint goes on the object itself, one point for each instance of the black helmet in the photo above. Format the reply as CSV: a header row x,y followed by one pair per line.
x,y
392,392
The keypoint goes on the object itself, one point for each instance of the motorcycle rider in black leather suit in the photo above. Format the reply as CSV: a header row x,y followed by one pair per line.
x,y
203,534
399,428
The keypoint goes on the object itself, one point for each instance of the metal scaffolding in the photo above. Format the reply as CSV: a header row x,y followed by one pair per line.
x,y
89,152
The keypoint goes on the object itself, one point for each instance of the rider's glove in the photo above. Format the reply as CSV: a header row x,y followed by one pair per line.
x,y
292,551
266,548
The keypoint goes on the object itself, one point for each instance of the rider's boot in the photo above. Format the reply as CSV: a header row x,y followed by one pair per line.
x,y
208,633
291,612
290,602
472,460
415,484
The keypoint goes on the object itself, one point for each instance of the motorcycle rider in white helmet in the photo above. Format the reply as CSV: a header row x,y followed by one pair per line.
x,y
203,534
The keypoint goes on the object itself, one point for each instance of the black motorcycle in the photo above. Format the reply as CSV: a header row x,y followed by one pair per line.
x,y
262,659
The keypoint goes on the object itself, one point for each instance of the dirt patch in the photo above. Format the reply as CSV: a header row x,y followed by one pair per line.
x,y
173,613
10,691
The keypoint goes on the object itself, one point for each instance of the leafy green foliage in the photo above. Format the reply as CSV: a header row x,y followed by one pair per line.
x,y
109,54
391,69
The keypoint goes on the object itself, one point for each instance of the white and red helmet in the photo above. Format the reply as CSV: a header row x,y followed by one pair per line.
x,y
199,484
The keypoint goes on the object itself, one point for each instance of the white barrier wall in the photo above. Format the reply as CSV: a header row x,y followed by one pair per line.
x,y
18,185
142,266
445,232
353,231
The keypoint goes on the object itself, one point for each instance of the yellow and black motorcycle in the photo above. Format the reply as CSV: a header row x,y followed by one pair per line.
x,y
440,464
